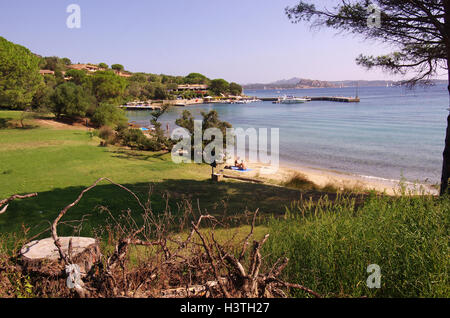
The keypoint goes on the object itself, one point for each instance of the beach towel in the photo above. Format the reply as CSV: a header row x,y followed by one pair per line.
x,y
237,169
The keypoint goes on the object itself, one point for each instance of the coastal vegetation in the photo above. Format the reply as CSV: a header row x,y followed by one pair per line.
x,y
329,238
79,92
93,96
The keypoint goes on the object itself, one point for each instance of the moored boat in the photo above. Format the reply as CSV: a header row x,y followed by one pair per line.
x,y
292,100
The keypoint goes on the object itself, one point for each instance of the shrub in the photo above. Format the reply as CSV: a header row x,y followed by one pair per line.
x,y
109,115
135,138
300,181
107,134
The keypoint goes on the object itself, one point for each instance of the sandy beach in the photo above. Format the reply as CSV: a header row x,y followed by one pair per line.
x,y
324,177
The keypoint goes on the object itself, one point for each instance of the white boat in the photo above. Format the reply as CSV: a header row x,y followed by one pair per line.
x,y
292,100
242,101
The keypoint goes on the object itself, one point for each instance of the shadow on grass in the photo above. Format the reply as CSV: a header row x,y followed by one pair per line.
x,y
225,198
27,127
138,155
10,123
4,123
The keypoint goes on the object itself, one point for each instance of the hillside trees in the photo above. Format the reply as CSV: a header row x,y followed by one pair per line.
x,y
118,67
219,86
19,75
108,87
70,100
235,89
196,78
42,98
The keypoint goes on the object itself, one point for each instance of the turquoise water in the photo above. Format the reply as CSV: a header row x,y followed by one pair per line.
x,y
392,132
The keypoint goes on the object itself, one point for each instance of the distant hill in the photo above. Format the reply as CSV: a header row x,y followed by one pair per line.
x,y
362,83
294,82
298,83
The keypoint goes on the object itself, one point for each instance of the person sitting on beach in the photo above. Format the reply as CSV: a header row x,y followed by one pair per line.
x,y
241,166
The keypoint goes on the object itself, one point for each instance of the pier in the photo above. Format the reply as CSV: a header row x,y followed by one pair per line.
x,y
140,107
340,99
336,99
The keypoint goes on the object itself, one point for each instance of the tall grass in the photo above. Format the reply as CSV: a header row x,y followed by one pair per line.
x,y
331,244
300,181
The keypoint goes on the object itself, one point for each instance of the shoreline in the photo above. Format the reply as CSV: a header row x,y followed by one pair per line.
x,y
342,180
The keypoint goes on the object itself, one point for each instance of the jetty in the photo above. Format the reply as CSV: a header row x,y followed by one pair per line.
x,y
140,107
336,99
340,99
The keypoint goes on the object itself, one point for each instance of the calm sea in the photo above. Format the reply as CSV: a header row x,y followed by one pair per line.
x,y
392,132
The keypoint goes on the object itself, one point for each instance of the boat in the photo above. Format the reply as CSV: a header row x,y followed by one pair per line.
x,y
292,100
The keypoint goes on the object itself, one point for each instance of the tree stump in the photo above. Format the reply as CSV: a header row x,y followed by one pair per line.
x,y
42,256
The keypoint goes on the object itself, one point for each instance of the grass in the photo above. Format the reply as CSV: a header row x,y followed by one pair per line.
x,y
221,235
331,244
59,164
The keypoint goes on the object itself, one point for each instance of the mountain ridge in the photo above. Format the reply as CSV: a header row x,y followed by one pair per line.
x,y
301,83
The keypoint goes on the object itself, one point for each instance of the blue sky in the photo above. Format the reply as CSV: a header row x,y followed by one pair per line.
x,y
245,41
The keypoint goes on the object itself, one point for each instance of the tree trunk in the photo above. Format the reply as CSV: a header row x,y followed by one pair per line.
x,y
42,256
446,154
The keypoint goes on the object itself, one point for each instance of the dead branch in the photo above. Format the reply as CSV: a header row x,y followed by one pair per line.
x,y
297,286
244,247
211,258
204,269
63,211
14,197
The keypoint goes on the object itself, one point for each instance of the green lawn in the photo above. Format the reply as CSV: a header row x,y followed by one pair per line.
x,y
59,164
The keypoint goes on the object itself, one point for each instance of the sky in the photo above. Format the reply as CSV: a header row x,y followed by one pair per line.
x,y
245,41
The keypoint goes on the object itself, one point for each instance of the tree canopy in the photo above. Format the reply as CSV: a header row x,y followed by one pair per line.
x,y
209,120
415,29
235,89
219,86
117,67
70,100
107,86
196,78
19,75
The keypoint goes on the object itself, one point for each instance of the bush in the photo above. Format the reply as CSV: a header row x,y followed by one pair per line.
x,y
107,134
330,245
300,181
109,115
135,138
